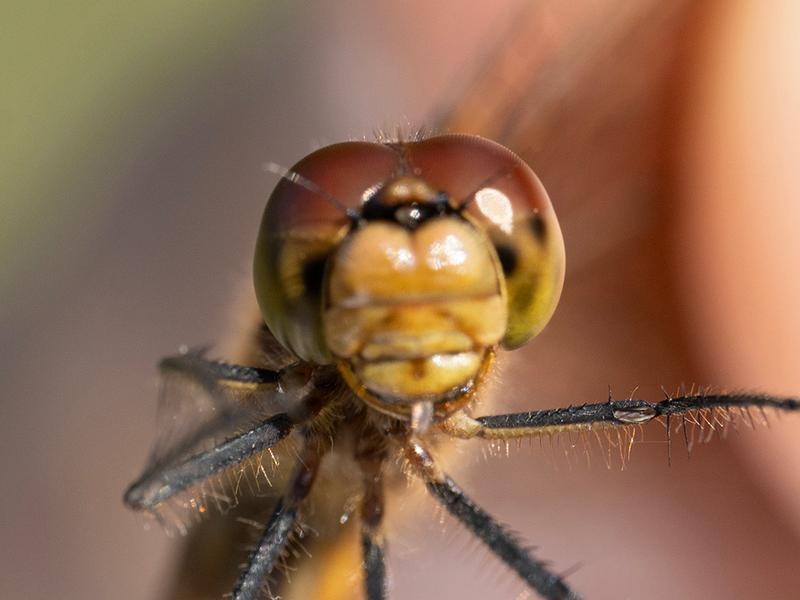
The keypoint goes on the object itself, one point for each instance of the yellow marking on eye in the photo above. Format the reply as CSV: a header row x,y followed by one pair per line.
x,y
292,311
534,284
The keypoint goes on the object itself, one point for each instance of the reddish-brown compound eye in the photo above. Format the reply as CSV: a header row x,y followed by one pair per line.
x,y
504,196
299,231
423,205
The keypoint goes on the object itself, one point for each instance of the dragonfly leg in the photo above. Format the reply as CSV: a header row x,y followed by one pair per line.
x,y
281,524
371,454
620,413
174,474
162,483
212,374
496,538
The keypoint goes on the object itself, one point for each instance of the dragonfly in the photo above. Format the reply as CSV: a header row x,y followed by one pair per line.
x,y
226,426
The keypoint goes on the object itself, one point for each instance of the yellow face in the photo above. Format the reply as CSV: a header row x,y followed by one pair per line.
x,y
409,277
412,312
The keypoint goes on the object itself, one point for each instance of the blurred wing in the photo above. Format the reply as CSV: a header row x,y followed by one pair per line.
x,y
583,92
216,422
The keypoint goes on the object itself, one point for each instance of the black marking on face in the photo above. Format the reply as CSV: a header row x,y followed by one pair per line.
x,y
381,206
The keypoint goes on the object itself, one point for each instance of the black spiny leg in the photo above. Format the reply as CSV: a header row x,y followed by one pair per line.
x,y
270,546
212,372
183,467
163,482
499,541
372,542
611,413
371,454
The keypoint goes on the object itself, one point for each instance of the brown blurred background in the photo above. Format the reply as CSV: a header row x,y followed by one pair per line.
x,y
132,187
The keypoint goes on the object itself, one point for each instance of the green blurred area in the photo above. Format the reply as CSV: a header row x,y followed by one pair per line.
x,y
85,85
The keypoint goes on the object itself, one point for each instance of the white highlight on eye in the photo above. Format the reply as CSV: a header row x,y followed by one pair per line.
x,y
448,253
496,206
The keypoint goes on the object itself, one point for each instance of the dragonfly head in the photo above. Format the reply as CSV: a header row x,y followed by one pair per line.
x,y
408,264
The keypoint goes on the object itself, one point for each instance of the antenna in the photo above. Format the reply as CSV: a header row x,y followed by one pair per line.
x,y
305,183
505,171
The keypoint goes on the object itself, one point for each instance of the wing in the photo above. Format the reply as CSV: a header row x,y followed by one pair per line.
x,y
583,92
218,425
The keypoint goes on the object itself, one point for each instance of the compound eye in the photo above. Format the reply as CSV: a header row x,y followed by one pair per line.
x,y
300,231
296,281
503,195
533,266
